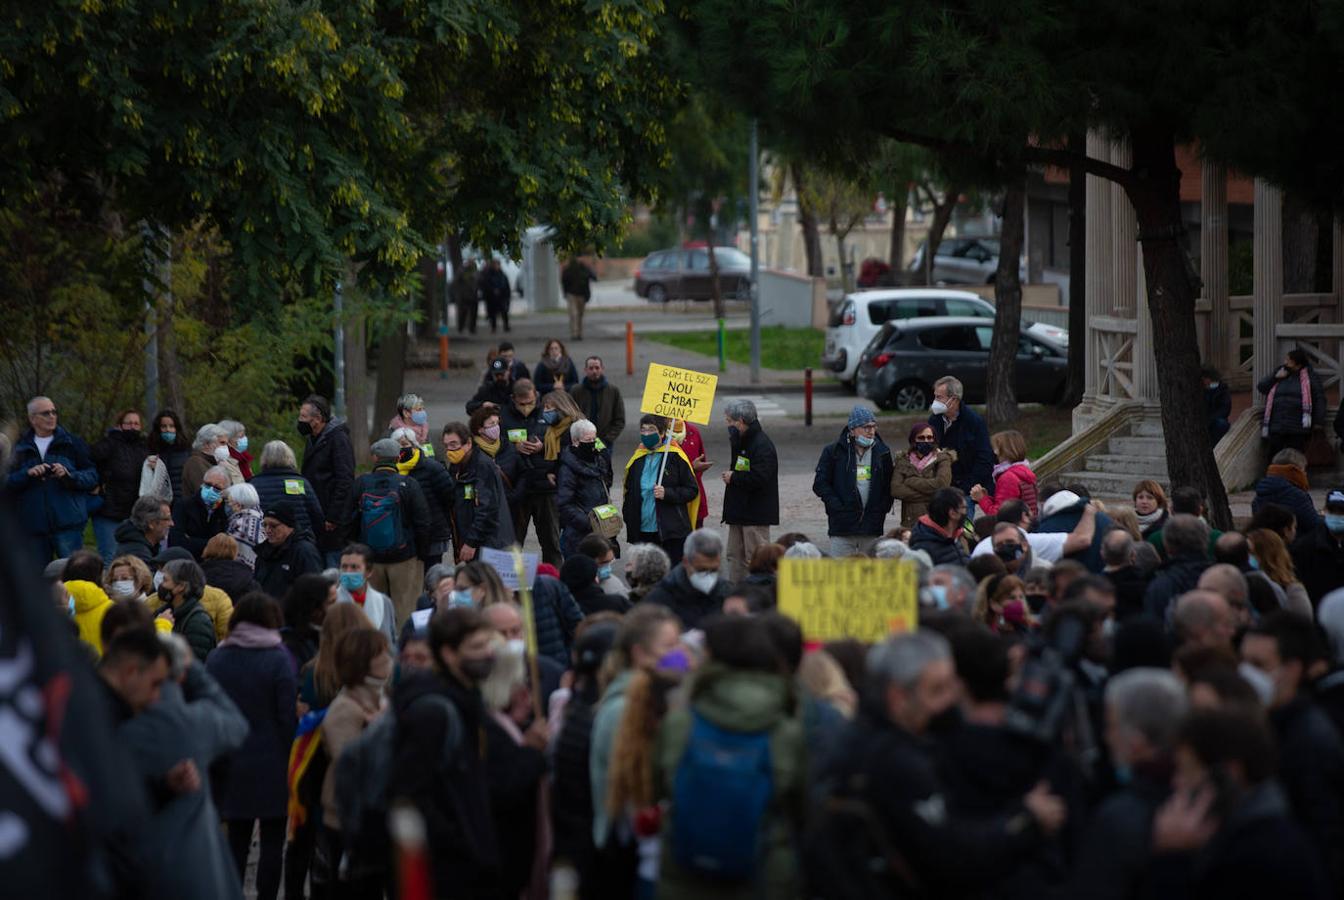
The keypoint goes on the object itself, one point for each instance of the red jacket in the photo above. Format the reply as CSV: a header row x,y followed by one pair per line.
x,y
1017,482
694,448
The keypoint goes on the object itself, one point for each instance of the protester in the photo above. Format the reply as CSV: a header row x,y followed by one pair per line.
x,y
1318,555
1294,403
646,565
170,444
287,552
1066,511
1001,604
919,472
1217,403
661,497
1150,505
393,522
199,516
516,367
582,485
496,390
1271,559
555,370
255,671
437,487
951,587
210,448
580,575
305,608
751,492
599,550
1285,484
478,511
180,592
939,532
846,475
600,402
240,461
479,585
223,569
486,437
245,520
82,573
686,435
524,428
961,430
329,467
357,566
495,291
278,481
694,589
128,578
411,414
574,281
1013,478
50,477
119,456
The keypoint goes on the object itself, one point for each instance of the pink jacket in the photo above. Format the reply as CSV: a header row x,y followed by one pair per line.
x,y
1017,482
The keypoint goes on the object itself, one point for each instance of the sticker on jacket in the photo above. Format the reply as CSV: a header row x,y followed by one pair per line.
x,y
865,473
517,435
468,492
294,486
742,465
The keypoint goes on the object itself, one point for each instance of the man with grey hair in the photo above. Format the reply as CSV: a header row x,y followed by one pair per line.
x,y
50,476
393,520
140,535
693,589
210,448
960,428
1204,618
886,761
1227,580
951,587
751,486
1187,542
200,516
1145,709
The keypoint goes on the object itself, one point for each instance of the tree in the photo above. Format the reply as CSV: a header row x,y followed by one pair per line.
x,y
1001,403
1009,89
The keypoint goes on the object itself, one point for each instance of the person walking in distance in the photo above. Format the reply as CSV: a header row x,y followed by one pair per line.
x,y
574,280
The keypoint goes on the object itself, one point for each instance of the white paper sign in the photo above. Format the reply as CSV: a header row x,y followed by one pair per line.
x,y
502,562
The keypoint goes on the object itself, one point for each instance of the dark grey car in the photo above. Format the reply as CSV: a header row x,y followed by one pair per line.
x,y
900,365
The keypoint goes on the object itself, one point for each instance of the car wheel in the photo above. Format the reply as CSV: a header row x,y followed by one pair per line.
x,y
657,293
908,397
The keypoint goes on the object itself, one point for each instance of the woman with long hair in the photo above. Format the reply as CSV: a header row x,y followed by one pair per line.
x,y
168,443
1270,555
555,371
319,679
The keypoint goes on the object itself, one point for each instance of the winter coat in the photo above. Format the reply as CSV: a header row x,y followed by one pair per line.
x,y
232,576
1172,579
515,774
453,794
555,616
1277,489
188,851
572,786
581,485
509,464
752,496
532,468
1017,482
278,567
492,392
606,722
969,437
680,492
414,510
352,710
693,445
1115,849
91,604
244,463
575,278
915,488
119,457
746,703
285,486
480,511
544,378
437,486
263,685
131,541
1218,403
194,524
494,289
1318,558
602,405
1065,520
836,483
1311,770
193,472
941,549
48,505
174,457
195,624
329,466
381,611
691,607
1130,586
1286,415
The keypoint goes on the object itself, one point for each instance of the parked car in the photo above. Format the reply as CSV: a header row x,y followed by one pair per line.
x,y
859,316
963,260
684,274
898,368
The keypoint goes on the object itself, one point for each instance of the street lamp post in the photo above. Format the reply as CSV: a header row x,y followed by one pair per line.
x,y
754,189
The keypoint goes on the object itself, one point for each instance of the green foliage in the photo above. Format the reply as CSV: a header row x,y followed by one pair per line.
x,y
641,240
781,348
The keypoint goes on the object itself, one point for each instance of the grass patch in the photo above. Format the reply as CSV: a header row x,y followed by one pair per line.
x,y
781,347
1044,427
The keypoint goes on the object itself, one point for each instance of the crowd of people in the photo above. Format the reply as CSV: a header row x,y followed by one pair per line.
x,y
1101,700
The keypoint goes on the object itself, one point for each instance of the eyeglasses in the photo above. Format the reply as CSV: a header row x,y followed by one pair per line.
x,y
45,412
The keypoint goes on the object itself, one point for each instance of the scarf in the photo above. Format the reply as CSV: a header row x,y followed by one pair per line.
x,y
1291,474
1304,385
553,436
252,637
1149,520
405,467
1005,466
491,448
692,508
923,462
558,368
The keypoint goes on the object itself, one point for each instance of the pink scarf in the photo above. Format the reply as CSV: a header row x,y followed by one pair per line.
x,y
1005,466
1304,384
252,637
923,462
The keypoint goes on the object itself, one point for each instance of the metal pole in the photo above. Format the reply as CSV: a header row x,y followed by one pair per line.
x,y
338,356
723,361
754,188
151,325
807,397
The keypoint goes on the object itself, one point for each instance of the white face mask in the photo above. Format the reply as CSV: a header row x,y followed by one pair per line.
x,y
704,581
516,646
938,408
123,587
158,580
221,454
375,682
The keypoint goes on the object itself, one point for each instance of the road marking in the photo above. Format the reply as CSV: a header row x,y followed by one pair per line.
x,y
765,407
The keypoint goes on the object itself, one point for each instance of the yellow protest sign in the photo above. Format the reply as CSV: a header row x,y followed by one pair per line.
x,y
679,393
864,599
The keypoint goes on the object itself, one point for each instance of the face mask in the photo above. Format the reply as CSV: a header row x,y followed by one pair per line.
x,y
158,580
586,450
167,436
1009,552
456,456
405,454
460,599
945,721
70,604
516,646
490,433
938,408
210,495
165,595
526,408
938,593
242,444
478,669
734,433
1334,523
863,440
304,428
419,417
550,416
1254,563
649,440
123,587
674,661
923,448
704,581
603,572
1015,611
221,454
352,581
375,682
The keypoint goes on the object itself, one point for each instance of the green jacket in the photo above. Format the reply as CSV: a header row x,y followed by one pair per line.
x,y
747,702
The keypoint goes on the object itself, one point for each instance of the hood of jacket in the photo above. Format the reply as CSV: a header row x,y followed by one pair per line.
x,y
87,596
127,533
337,424
738,700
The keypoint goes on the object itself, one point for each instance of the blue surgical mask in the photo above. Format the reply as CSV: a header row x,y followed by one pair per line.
x,y
167,436
242,444
352,581
419,417
460,599
1255,563
939,594
210,495
550,416
863,440
649,440
1334,523
604,572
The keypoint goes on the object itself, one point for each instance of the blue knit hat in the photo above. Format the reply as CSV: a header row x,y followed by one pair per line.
x,y
860,416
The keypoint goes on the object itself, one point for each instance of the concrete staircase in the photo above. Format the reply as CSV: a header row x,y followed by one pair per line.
x,y
1110,470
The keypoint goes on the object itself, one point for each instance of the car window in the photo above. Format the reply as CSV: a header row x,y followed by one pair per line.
x,y
959,249
880,311
1025,347
699,261
732,257
655,262
984,336
956,337
969,308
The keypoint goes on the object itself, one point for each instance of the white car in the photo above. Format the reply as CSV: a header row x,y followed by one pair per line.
x,y
857,318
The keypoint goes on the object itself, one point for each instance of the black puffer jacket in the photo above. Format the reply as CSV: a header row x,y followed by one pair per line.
x,y
942,549
532,468
1172,579
119,457
1285,416
752,496
580,486
232,576
329,466
572,790
277,486
437,486
480,514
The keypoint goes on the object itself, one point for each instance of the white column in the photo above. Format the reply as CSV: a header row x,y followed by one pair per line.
x,y
1268,262
1124,243
1213,266
1145,363
1098,273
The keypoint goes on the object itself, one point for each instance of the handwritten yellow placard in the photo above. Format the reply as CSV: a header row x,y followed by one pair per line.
x,y
679,393
864,599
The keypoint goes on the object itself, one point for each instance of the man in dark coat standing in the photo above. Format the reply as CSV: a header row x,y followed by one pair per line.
x,y
497,387
49,481
853,480
479,510
751,492
601,402
329,466
960,428
1187,542
1318,556
396,530
693,589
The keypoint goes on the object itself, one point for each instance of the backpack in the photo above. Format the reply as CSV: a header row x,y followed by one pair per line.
x,y
847,853
382,521
720,794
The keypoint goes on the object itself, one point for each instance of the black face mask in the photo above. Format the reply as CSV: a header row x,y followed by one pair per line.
x,y
1009,553
586,451
923,448
406,454
945,722
734,434
304,428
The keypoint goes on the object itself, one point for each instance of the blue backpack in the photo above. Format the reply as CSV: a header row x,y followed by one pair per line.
x,y
381,518
720,794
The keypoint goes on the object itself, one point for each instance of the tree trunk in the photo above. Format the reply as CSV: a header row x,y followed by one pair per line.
x,y
846,283
356,366
454,242
1077,381
391,374
1154,189
1002,375
942,215
896,249
1303,248
807,219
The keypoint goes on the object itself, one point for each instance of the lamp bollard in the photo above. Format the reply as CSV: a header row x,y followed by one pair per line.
x,y
807,397
629,348
443,351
